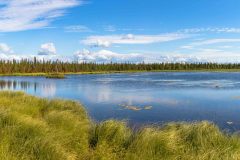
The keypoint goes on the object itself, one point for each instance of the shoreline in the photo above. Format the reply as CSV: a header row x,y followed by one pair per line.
x,y
116,72
34,127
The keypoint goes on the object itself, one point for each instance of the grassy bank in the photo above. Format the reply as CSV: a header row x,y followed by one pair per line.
x,y
33,128
55,76
112,72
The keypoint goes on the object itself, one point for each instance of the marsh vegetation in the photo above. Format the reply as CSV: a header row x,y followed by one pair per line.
x,y
55,76
35,128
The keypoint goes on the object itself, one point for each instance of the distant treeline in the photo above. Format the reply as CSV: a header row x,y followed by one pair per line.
x,y
27,66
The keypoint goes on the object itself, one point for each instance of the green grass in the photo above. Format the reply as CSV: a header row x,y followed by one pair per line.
x,y
34,128
55,76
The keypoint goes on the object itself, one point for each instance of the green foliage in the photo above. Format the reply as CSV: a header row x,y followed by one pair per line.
x,y
55,76
38,67
33,128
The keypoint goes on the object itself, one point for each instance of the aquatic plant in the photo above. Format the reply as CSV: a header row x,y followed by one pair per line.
x,y
34,128
55,76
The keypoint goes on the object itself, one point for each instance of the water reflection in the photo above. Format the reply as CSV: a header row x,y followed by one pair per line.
x,y
15,85
45,89
106,93
48,90
145,97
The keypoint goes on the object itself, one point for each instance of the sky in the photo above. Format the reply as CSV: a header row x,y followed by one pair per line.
x,y
121,30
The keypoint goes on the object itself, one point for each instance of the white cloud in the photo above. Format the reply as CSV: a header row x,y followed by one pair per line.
x,y
18,15
186,47
106,41
211,42
225,47
77,28
48,52
209,29
47,49
110,28
218,56
200,57
5,49
215,41
106,56
204,55
101,43
18,57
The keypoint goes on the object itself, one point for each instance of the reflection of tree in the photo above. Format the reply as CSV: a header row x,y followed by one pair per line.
x,y
46,89
24,85
16,85
2,84
35,87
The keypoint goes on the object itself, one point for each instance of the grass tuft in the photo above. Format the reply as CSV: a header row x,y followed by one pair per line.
x,y
55,76
34,128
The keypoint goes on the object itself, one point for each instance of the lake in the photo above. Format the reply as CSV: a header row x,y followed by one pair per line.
x,y
145,98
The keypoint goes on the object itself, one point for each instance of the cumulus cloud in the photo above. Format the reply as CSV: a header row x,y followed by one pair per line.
x,y
217,56
19,57
47,52
47,49
106,56
18,15
5,49
106,41
204,55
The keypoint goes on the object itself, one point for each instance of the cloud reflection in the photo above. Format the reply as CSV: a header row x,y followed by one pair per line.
x,y
48,89
107,94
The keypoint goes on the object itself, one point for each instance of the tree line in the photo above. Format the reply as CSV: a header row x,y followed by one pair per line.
x,y
35,66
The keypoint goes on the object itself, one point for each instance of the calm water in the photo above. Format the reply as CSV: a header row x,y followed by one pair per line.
x,y
166,97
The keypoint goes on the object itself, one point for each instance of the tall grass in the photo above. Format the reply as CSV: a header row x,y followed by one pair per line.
x,y
33,128
55,76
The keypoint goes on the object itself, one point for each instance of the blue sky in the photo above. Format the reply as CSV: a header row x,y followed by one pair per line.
x,y
121,30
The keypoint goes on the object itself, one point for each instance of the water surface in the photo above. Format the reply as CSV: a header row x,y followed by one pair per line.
x,y
144,98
